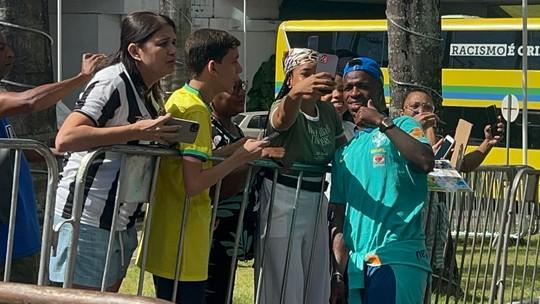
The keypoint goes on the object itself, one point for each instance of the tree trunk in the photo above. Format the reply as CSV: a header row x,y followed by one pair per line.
x,y
414,59
180,12
32,67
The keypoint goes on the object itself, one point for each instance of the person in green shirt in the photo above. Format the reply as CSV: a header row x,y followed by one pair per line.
x,y
379,185
310,131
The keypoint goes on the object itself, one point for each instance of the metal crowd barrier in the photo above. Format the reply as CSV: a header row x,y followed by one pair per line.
x,y
478,227
52,181
301,169
12,293
259,268
131,160
138,168
490,253
516,280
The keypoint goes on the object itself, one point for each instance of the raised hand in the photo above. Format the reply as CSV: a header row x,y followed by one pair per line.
x,y
313,87
368,115
488,132
427,119
90,63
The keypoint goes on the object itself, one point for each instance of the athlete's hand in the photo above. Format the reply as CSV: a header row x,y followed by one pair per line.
x,y
368,115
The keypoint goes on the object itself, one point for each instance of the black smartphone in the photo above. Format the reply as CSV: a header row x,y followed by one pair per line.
x,y
492,119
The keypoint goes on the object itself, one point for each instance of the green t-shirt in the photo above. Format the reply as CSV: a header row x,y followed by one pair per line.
x,y
384,197
310,140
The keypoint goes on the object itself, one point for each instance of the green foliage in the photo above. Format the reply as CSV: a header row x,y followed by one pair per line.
x,y
261,94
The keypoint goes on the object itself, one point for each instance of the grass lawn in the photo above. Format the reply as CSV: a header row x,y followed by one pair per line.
x,y
517,261
244,290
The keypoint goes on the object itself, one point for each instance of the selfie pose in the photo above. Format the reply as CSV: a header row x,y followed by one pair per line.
x,y
310,131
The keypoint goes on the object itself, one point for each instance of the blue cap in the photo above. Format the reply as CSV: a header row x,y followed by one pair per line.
x,y
364,64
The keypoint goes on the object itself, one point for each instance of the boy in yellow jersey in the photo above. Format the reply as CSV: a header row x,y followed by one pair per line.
x,y
212,58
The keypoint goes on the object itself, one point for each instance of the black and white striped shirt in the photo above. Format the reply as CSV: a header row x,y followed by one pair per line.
x,y
110,99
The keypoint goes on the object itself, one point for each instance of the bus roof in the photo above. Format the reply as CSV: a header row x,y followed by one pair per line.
x,y
463,24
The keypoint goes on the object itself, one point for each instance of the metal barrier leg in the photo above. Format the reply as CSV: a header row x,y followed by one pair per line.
x,y
518,239
50,200
427,232
215,207
533,279
449,198
523,277
497,284
291,237
75,219
12,214
489,180
314,240
185,214
147,225
264,236
465,242
238,235
503,191
453,260
112,234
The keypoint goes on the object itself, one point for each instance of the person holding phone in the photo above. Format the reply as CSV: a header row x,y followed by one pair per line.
x,y
121,104
310,131
418,103
212,59
336,97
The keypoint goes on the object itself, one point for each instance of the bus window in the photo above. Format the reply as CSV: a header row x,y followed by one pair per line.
x,y
370,44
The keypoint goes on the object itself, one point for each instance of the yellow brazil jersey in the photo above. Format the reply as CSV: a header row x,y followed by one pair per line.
x,y
164,236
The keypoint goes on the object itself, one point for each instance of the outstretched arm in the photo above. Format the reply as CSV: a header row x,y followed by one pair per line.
x,y
47,95
474,159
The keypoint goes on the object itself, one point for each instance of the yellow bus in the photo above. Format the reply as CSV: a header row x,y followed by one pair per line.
x,y
481,64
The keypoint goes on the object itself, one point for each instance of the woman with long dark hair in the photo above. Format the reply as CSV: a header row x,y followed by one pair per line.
x,y
121,104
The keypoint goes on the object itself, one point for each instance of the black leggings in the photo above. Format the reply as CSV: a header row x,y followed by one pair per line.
x,y
188,292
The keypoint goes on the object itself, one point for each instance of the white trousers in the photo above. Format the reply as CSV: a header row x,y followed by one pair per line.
x,y
318,290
